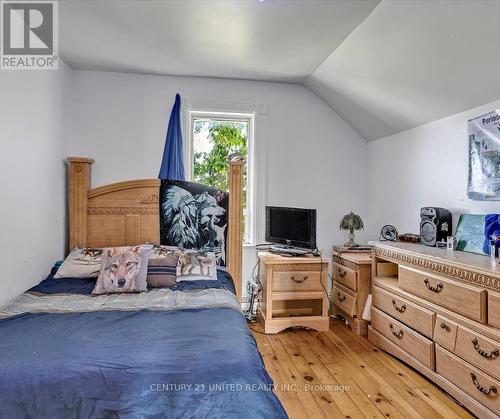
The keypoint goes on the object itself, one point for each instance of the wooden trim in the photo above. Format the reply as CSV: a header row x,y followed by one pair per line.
x,y
79,178
127,213
235,224
129,184
453,269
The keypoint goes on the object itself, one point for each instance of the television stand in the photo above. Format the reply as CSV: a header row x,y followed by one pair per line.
x,y
289,250
293,292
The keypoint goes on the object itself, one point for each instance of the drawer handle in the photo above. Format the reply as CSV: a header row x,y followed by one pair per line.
x,y
493,354
341,297
437,288
484,390
445,326
342,274
401,309
299,281
399,334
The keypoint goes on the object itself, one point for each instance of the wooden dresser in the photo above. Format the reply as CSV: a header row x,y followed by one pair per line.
x,y
351,286
293,293
439,312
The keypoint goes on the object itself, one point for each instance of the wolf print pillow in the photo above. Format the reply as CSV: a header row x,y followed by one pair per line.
x,y
194,216
196,266
123,269
82,262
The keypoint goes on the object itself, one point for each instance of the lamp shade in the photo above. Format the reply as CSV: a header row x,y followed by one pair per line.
x,y
351,221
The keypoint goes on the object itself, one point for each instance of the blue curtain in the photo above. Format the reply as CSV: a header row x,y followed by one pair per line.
x,y
172,164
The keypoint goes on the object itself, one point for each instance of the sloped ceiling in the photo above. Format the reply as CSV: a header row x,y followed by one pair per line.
x,y
383,66
413,62
243,39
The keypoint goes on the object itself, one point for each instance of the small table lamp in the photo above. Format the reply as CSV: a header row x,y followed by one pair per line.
x,y
351,222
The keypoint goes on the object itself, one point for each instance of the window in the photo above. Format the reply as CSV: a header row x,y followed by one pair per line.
x,y
213,136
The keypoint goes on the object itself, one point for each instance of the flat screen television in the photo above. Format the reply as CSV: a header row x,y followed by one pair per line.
x,y
294,227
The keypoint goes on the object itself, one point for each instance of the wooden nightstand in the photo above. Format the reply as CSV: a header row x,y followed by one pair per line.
x,y
352,279
293,293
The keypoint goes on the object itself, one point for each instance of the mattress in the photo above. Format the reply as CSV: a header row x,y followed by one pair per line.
x,y
167,353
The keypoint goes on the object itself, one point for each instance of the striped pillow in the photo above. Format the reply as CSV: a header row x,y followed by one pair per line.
x,y
162,271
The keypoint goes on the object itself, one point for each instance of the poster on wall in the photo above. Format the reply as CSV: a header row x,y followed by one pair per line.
x,y
484,157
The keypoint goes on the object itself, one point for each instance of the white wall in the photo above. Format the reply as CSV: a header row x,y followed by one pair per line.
x,y
311,156
424,166
35,118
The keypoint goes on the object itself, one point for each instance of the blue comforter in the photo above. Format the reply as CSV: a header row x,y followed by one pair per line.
x,y
185,363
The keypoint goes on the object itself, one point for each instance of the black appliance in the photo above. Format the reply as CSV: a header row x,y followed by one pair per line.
x,y
292,227
435,225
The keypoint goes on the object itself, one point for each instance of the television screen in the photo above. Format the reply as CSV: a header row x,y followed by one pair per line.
x,y
291,226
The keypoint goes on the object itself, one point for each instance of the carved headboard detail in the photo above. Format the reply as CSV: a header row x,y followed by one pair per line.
x,y
127,213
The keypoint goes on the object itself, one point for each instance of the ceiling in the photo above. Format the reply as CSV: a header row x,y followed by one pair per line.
x,y
383,66
245,39
413,62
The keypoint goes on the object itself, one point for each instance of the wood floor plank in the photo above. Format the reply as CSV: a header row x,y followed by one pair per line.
x,y
366,408
439,406
318,378
346,367
378,384
418,381
293,376
346,373
406,401
279,375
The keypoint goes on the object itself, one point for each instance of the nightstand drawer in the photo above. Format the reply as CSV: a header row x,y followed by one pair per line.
x,y
343,300
346,276
297,281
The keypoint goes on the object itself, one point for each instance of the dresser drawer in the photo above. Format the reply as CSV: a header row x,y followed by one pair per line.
x,y
344,300
479,351
297,281
469,379
460,298
346,276
445,333
409,313
494,309
407,339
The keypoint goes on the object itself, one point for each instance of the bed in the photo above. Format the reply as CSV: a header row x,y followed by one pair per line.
x,y
174,352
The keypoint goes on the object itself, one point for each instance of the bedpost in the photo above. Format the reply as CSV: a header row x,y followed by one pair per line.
x,y
235,223
78,187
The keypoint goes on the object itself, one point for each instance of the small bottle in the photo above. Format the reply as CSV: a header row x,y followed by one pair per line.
x,y
493,250
450,243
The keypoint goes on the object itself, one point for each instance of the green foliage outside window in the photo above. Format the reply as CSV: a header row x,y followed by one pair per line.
x,y
212,168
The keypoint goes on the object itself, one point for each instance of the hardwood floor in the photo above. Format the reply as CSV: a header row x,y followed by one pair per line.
x,y
337,374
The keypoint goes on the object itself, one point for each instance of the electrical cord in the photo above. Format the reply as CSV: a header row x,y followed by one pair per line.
x,y
255,288
317,252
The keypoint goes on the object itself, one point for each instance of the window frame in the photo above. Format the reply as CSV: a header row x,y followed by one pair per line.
x,y
250,212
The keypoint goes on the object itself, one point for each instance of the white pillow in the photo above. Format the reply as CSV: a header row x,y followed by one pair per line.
x,y
81,263
196,266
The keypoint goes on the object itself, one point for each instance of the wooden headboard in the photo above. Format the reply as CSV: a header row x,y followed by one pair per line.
x,y
127,213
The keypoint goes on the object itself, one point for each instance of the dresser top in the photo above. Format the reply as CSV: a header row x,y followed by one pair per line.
x,y
464,260
359,258
272,258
